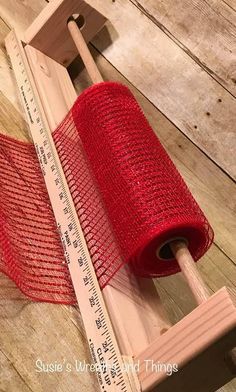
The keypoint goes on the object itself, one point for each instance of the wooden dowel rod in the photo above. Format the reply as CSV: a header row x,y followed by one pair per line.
x,y
84,52
190,271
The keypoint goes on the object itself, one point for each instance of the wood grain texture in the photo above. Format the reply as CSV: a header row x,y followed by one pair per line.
x,y
211,325
205,30
198,105
30,330
7,80
190,271
60,46
49,333
52,82
20,14
84,53
231,4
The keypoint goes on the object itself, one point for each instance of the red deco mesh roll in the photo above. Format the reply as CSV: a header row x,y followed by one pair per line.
x,y
129,197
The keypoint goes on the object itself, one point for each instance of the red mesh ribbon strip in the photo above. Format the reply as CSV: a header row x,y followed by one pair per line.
x,y
129,197
30,249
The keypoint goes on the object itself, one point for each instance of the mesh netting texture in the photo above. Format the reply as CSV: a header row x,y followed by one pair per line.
x,y
30,249
128,194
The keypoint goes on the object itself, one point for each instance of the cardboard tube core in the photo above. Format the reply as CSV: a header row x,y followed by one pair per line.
x,y
164,251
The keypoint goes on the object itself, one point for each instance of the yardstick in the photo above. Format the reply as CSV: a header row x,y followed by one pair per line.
x,y
103,346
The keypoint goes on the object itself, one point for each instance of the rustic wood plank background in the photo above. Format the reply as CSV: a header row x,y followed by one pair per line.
x,y
178,58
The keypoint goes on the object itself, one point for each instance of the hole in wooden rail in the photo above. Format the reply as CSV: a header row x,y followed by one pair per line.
x,y
208,113
219,100
163,330
79,19
195,126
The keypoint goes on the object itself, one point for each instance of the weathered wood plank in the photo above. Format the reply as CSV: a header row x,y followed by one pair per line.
x,y
169,78
205,30
10,376
49,333
20,14
11,122
230,3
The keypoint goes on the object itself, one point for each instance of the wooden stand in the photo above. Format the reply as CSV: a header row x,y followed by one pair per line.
x,y
200,343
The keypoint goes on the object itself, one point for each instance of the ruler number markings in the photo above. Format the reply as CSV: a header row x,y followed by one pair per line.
x,y
102,343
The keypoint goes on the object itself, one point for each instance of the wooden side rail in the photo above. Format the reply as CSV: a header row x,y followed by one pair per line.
x,y
52,22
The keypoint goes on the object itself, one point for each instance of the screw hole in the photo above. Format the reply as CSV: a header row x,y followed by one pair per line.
x,y
163,330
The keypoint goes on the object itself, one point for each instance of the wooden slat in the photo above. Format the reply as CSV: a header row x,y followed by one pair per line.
x,y
15,379
11,122
205,30
20,14
230,3
169,78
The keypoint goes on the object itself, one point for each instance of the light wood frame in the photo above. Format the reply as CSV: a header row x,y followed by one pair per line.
x,y
199,344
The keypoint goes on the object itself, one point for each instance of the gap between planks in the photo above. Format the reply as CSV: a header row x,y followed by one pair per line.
x,y
194,28
197,104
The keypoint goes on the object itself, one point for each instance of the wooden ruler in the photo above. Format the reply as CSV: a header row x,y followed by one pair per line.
x,y
103,346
